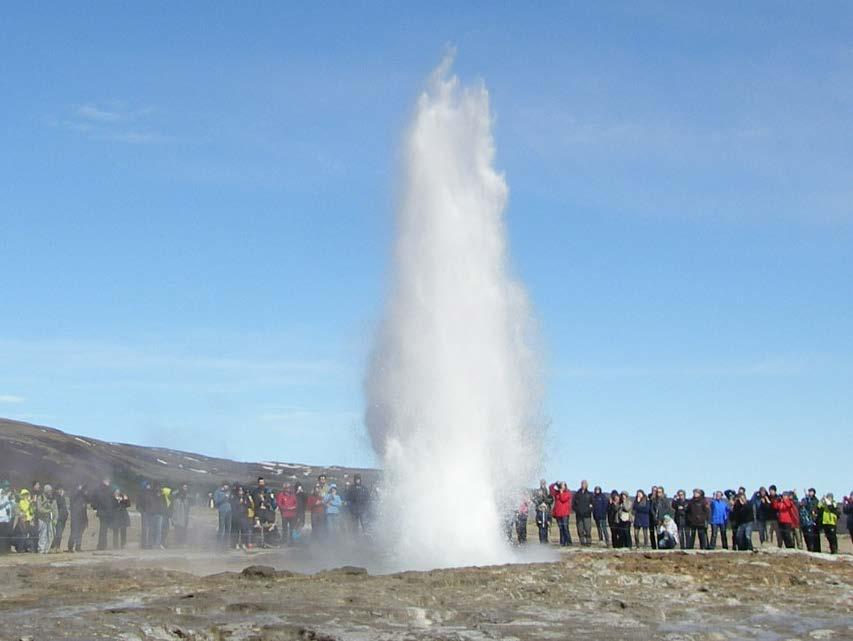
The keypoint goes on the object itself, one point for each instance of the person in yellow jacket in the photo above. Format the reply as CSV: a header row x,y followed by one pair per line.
x,y
827,519
166,492
27,534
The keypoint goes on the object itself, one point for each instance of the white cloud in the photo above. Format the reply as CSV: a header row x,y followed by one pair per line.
x,y
11,399
111,123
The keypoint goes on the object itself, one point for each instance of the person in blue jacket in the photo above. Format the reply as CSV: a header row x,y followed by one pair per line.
x,y
333,503
720,510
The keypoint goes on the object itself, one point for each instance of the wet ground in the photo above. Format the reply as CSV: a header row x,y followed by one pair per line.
x,y
602,594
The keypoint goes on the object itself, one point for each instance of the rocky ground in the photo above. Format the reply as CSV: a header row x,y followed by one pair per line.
x,y
600,594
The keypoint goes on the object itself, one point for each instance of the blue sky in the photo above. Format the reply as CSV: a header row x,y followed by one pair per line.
x,y
196,214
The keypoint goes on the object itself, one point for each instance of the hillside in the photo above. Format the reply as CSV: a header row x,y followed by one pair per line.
x,y
29,452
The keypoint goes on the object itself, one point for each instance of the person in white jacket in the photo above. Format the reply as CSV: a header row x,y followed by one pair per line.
x,y
667,534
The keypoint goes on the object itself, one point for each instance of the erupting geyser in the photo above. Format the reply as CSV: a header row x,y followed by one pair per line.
x,y
452,390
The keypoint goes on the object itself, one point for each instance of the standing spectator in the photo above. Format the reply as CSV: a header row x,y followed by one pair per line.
x,y
287,505
156,510
697,514
613,508
165,522
521,516
761,507
102,502
222,503
582,507
46,513
562,508
26,530
333,510
301,503
786,515
795,514
61,517
317,509
242,517
828,518
808,520
79,518
624,518
772,517
720,509
543,495
848,510
599,513
181,514
743,515
641,511
358,498
324,484
7,516
543,521
661,506
120,520
679,515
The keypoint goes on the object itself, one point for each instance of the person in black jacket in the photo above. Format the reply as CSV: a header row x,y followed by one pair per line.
x,y
357,499
120,519
599,513
102,501
679,515
743,517
79,518
582,507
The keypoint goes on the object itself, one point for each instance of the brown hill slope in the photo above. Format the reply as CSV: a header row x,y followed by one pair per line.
x,y
29,452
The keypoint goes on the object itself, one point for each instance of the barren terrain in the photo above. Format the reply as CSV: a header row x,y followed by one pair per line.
x,y
601,594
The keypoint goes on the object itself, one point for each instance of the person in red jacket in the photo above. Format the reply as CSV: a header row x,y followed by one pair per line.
x,y
287,505
316,507
562,509
787,513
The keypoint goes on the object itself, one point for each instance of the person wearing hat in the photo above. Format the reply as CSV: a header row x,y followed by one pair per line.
x,y
7,516
26,533
667,534
828,520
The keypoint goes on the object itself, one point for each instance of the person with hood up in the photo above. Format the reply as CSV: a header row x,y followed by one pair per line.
x,y
7,516
667,534
720,509
808,520
562,508
623,518
599,515
120,519
358,498
582,507
697,514
787,516
46,514
26,530
828,519
79,516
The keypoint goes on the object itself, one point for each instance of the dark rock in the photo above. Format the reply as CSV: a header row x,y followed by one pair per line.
x,y
258,572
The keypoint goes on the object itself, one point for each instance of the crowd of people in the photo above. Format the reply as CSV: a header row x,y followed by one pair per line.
x,y
35,519
660,522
